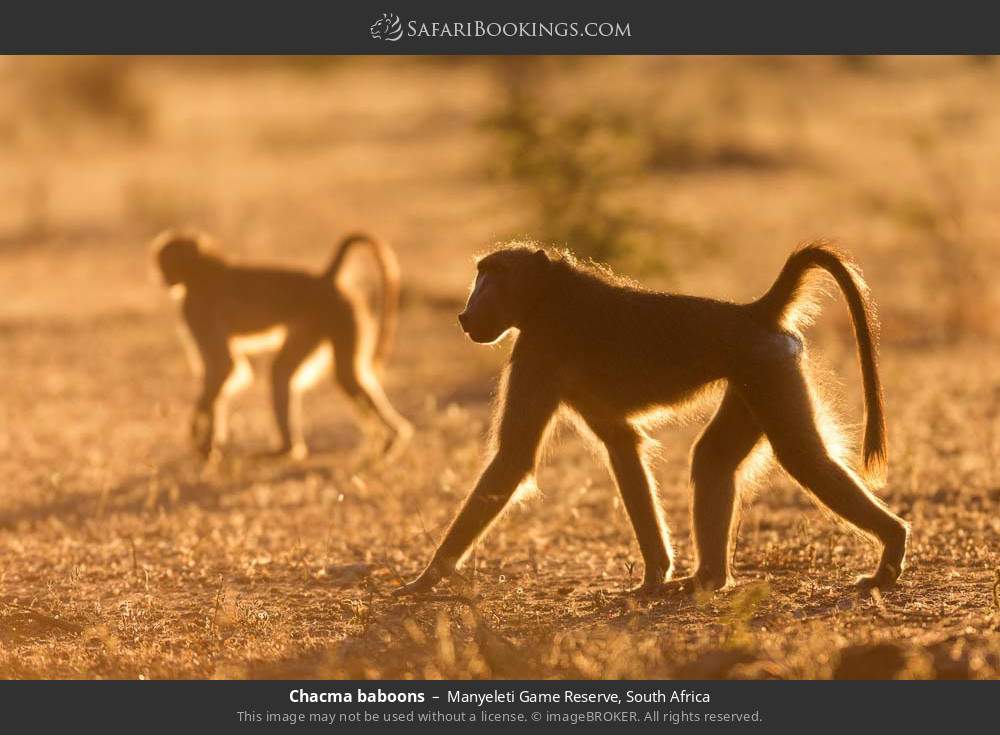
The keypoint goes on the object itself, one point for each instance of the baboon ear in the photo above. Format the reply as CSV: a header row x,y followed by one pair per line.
x,y
541,257
188,250
181,253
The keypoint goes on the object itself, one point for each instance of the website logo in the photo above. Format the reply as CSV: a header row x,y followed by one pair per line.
x,y
387,28
390,28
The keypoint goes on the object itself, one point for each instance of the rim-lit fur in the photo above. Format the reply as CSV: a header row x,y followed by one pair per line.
x,y
231,309
618,356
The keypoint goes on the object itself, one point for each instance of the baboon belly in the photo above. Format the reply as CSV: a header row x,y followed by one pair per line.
x,y
636,388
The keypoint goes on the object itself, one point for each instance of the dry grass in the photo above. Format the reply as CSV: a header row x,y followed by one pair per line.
x,y
123,557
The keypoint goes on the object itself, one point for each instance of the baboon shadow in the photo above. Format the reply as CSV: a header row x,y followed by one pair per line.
x,y
180,481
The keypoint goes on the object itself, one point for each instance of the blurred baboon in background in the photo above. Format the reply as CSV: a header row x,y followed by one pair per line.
x,y
223,302
616,355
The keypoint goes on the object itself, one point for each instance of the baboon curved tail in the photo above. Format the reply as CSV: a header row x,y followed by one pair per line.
x,y
790,298
388,266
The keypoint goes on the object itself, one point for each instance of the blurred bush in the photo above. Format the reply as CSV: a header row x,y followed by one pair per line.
x,y
569,165
60,92
935,224
156,204
577,167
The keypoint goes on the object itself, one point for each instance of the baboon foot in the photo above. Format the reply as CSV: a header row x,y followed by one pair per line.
x,y
651,584
890,566
397,442
694,584
884,578
210,453
214,460
202,431
646,589
421,585
295,452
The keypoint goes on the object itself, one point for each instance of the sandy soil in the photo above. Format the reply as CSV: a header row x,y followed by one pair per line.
x,y
123,556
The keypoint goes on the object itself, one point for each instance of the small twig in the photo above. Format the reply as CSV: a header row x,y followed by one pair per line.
x,y
630,568
218,600
423,527
392,569
135,564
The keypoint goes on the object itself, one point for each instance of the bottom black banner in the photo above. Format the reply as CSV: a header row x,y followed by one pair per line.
x,y
770,706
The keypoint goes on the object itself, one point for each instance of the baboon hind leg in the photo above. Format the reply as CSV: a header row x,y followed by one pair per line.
x,y
725,443
359,382
624,444
781,402
298,346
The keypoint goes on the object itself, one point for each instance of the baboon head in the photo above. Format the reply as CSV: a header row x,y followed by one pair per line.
x,y
177,255
509,284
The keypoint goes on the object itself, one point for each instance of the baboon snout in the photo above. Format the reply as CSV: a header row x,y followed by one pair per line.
x,y
462,319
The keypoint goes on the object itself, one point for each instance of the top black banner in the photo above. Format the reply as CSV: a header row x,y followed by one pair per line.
x,y
514,27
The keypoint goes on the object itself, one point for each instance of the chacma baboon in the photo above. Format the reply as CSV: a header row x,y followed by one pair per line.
x,y
223,302
616,355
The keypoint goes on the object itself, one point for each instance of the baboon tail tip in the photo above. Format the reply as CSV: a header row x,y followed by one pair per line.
x,y
875,452
876,466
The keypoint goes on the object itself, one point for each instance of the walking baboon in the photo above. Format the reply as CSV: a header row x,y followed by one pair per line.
x,y
223,302
616,354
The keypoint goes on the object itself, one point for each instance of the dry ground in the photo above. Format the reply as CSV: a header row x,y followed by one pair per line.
x,y
123,557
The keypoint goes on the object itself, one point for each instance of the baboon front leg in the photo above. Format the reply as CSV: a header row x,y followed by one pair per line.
x,y
727,440
287,407
492,492
637,488
782,404
526,410
218,364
